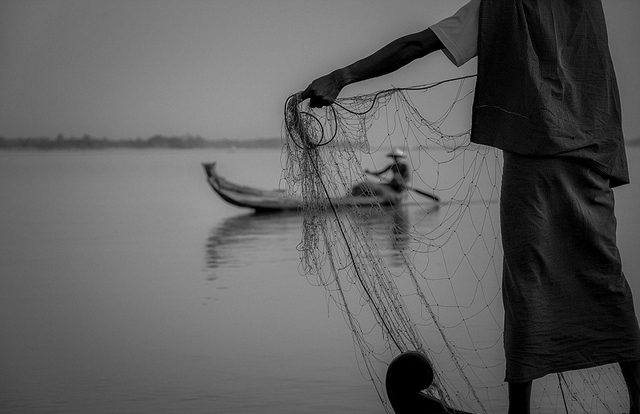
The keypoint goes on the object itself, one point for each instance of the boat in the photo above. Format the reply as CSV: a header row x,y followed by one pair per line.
x,y
275,200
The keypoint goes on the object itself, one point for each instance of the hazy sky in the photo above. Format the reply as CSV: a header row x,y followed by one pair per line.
x,y
218,68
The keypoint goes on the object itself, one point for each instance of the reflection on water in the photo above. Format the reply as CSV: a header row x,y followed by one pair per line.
x,y
231,243
389,228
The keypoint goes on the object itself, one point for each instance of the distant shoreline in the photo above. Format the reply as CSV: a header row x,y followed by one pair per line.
x,y
157,141
87,142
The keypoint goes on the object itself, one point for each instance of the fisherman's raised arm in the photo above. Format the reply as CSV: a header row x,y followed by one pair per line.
x,y
324,90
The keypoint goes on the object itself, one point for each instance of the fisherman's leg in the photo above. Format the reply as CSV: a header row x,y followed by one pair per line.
x,y
631,374
519,397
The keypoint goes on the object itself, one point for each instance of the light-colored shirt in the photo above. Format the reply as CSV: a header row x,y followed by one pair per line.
x,y
459,33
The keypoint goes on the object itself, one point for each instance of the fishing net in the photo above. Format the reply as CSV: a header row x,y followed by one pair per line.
x,y
420,275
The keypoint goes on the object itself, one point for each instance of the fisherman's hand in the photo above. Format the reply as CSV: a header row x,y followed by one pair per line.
x,y
324,90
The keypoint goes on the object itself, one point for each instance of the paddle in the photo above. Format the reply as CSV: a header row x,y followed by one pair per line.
x,y
424,193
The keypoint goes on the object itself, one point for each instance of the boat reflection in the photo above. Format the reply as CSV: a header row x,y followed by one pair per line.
x,y
237,239
231,243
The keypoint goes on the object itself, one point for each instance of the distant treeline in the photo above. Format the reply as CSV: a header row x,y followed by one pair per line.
x,y
156,141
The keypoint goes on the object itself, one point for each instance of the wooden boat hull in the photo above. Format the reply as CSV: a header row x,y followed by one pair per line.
x,y
276,200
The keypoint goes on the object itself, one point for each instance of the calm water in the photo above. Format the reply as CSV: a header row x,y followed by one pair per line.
x,y
127,286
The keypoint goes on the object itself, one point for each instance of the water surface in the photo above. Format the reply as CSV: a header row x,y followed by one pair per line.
x,y
127,286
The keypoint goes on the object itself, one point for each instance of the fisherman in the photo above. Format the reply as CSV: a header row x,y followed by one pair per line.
x,y
547,96
401,177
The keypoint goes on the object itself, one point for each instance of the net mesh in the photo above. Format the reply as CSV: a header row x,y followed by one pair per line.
x,y
418,275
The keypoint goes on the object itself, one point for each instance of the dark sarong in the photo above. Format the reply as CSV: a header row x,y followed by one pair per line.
x,y
567,302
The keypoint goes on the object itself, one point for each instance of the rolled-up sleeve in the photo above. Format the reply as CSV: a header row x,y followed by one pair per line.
x,y
459,33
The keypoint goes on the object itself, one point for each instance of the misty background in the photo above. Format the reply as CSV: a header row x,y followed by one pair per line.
x,y
218,69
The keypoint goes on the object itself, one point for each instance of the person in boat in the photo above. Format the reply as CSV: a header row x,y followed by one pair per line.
x,y
547,96
398,182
